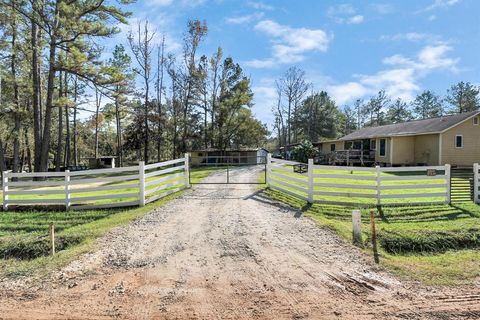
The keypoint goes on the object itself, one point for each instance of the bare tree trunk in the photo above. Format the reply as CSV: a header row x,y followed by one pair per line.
x,y
29,151
160,65
47,128
58,155
36,86
119,131
98,101
2,158
67,126
16,102
75,98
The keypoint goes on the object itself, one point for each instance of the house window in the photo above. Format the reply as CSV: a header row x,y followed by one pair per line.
x,y
458,141
348,145
332,147
383,143
373,144
475,121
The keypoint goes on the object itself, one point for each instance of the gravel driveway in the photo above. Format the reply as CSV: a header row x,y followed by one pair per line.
x,y
228,252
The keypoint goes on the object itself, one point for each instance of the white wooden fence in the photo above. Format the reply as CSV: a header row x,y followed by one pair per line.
x,y
476,183
96,189
363,186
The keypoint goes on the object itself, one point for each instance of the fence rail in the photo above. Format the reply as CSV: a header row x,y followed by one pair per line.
x,y
476,183
345,185
95,189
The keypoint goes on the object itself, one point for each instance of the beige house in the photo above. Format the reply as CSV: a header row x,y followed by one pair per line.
x,y
453,139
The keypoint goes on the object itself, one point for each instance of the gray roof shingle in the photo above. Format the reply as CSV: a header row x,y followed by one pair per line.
x,y
415,127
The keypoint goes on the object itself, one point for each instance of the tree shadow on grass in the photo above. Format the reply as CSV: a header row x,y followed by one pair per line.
x,y
263,197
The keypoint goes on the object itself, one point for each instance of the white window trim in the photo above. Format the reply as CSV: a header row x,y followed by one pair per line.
x,y
380,149
456,136
475,118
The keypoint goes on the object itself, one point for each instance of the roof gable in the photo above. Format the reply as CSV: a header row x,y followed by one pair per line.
x,y
411,128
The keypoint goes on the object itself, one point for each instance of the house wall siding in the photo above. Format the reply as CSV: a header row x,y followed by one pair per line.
x,y
470,153
426,149
403,150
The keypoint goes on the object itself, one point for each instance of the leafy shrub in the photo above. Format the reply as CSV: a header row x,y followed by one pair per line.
x,y
304,151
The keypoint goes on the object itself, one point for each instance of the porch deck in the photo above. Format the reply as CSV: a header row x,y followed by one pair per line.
x,y
352,157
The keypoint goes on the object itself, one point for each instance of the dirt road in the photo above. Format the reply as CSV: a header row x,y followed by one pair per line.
x,y
228,252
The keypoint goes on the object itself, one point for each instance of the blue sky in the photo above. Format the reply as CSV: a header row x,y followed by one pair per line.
x,y
351,49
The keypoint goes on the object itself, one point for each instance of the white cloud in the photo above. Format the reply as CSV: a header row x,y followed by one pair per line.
x,y
347,92
432,17
290,44
437,4
409,36
244,19
433,57
344,13
401,79
259,5
166,3
158,3
264,98
355,19
382,8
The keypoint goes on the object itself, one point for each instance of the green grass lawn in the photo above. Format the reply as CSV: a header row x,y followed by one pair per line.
x,y
437,244
24,245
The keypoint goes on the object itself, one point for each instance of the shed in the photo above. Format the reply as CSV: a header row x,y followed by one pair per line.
x,y
101,162
228,156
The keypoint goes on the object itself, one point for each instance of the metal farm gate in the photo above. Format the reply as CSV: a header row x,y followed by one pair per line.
x,y
231,169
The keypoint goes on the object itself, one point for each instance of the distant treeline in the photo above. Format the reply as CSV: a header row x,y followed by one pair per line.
x,y
304,115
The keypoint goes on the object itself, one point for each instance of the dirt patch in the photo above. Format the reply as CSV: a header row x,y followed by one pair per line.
x,y
228,252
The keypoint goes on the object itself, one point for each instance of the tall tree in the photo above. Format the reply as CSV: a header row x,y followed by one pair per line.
x,y
427,105
464,97
72,25
235,97
398,112
215,66
376,108
195,34
121,64
141,44
294,86
319,117
159,88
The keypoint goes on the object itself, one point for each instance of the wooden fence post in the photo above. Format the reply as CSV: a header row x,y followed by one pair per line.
x,y
141,186
449,183
475,183
268,169
5,190
357,227
310,180
378,183
374,236
67,190
187,170
51,236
